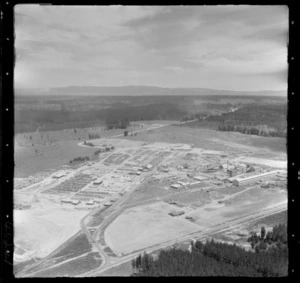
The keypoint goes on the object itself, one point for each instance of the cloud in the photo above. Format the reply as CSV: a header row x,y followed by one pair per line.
x,y
197,46
175,69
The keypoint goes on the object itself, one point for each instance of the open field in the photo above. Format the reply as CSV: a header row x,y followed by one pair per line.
x,y
237,206
28,163
77,246
240,235
59,147
149,190
258,197
73,267
194,198
124,269
268,222
145,226
225,191
216,140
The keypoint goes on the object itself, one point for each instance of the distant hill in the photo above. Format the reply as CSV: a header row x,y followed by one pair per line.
x,y
142,91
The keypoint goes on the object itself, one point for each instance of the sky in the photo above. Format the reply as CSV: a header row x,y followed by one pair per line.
x,y
219,47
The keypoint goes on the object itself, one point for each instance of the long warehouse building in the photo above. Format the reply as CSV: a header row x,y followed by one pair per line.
x,y
244,179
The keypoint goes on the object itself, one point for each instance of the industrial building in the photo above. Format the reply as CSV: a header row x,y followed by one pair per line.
x,y
244,179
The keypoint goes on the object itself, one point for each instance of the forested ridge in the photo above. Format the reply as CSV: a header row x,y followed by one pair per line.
x,y
64,112
262,120
113,118
220,259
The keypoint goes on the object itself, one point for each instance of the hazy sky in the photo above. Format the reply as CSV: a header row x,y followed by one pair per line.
x,y
221,47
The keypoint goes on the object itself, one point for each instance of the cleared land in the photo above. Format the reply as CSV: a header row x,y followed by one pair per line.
x,y
43,227
73,267
245,203
59,147
144,226
192,198
268,222
216,140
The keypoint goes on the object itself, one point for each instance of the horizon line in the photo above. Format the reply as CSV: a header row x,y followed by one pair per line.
x,y
123,86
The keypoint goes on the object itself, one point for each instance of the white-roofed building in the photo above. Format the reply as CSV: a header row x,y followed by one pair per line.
x,y
246,178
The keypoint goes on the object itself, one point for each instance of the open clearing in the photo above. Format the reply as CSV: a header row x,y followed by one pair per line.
x,y
245,203
268,222
43,227
217,140
59,147
28,163
144,226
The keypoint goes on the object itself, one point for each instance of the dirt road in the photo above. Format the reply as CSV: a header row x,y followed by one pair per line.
x,y
208,232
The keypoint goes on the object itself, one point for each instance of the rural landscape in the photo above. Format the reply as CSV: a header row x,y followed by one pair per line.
x,y
114,190
150,141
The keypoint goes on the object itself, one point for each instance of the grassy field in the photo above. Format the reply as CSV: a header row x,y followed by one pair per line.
x,y
257,197
124,269
76,248
269,221
28,163
148,190
224,191
74,267
19,266
195,198
240,236
42,151
201,124
214,140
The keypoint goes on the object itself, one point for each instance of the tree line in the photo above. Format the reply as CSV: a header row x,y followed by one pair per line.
x,y
116,124
79,159
94,136
218,259
276,237
255,119
259,130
